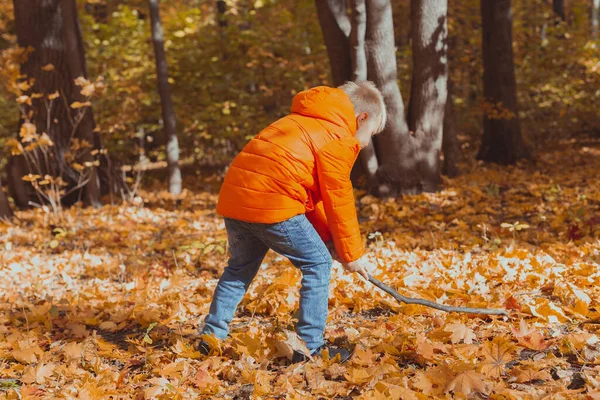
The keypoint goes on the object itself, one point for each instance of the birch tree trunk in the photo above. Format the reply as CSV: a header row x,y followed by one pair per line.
x,y
164,89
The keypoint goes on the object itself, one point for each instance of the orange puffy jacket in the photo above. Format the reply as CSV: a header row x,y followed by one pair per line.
x,y
301,164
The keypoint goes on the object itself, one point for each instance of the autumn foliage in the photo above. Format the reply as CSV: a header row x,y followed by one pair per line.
x,y
108,303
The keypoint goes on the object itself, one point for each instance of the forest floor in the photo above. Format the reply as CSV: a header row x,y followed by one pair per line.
x,y
108,303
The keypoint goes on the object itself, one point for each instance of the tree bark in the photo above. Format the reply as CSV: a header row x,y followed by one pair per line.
x,y
595,19
51,28
368,156
75,60
428,91
450,146
502,141
404,162
410,157
5,210
164,89
382,70
357,40
336,27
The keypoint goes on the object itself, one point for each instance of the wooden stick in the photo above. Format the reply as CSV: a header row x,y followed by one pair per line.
x,y
427,303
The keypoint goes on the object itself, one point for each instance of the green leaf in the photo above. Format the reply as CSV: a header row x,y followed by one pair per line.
x,y
151,326
147,339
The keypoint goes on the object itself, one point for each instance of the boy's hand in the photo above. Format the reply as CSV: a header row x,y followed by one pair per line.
x,y
358,266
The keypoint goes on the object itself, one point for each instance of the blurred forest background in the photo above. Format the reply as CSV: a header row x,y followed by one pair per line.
x,y
234,66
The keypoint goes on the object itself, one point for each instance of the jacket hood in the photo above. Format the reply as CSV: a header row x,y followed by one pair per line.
x,y
330,104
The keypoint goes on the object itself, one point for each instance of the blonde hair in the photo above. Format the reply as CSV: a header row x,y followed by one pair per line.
x,y
365,97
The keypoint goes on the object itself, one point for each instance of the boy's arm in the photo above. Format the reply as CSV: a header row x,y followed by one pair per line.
x,y
334,163
318,219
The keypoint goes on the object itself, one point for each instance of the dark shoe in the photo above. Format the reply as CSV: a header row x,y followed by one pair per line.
x,y
333,352
204,347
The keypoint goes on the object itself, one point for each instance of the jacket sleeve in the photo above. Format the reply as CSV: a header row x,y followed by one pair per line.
x,y
334,163
318,219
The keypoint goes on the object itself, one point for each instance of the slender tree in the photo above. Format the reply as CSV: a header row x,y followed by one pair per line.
x,y
502,141
558,6
368,157
164,89
450,146
595,19
52,30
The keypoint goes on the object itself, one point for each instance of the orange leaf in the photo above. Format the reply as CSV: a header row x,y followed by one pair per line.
x,y
497,353
534,341
512,304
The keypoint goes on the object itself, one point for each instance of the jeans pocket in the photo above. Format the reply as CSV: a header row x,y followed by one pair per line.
x,y
235,237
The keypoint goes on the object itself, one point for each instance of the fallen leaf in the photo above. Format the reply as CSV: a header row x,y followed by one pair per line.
x,y
467,382
460,332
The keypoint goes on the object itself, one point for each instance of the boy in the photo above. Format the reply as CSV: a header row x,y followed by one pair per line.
x,y
289,190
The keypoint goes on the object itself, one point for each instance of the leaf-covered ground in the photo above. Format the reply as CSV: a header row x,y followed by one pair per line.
x,y
108,303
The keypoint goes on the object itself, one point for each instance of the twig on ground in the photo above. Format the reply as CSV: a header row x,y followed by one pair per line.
x,y
427,303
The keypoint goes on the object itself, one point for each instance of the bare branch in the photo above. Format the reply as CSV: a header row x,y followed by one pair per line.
x,y
427,303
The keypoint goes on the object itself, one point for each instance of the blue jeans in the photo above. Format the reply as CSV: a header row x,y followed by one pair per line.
x,y
295,239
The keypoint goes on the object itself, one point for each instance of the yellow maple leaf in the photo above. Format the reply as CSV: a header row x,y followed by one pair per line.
x,y
460,332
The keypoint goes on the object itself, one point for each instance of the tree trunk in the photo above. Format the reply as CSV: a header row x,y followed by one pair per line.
x,y
450,146
357,40
5,210
595,19
428,92
559,8
336,27
382,70
52,30
164,89
404,162
75,60
344,39
368,156
502,142
221,9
